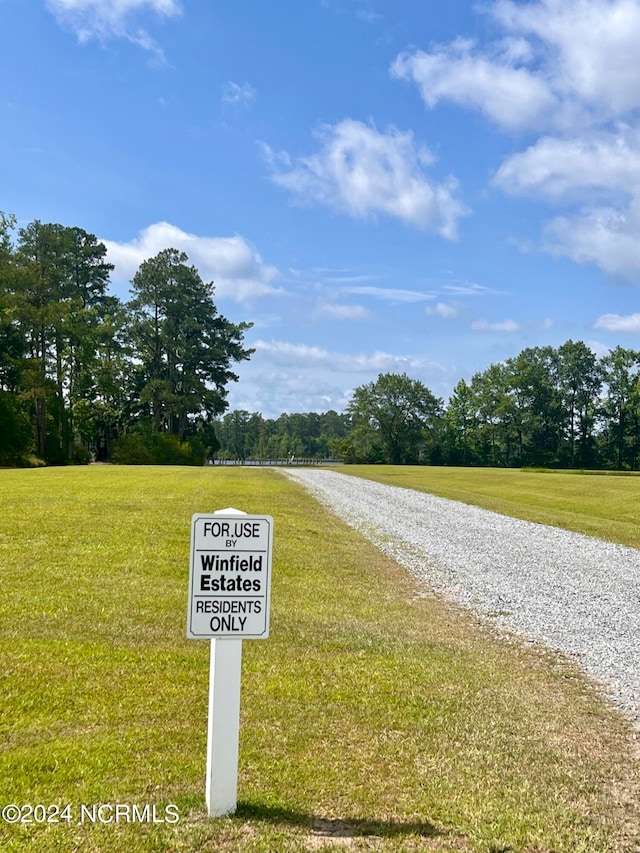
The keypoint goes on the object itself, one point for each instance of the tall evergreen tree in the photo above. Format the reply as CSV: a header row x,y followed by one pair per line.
x,y
58,290
183,346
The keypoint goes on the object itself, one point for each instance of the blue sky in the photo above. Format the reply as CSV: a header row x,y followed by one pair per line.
x,y
378,185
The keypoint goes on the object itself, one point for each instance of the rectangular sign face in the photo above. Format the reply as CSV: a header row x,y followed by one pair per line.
x,y
230,576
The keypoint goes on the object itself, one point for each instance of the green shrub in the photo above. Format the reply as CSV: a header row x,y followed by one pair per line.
x,y
15,431
144,447
31,462
80,455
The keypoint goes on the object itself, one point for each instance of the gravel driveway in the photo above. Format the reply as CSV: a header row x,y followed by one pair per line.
x,y
571,592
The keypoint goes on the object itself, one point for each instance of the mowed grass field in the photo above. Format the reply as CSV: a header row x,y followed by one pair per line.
x,y
374,718
606,505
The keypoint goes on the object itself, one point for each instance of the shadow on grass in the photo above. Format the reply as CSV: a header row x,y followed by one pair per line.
x,y
335,828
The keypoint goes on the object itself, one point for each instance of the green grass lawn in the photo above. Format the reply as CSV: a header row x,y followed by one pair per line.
x,y
374,718
597,504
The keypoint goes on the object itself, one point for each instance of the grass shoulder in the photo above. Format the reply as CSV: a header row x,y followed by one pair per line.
x,y
604,506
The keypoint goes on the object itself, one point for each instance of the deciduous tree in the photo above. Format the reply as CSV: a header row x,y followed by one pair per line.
x,y
398,412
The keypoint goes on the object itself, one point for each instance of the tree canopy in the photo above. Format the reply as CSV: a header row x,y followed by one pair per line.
x,y
394,419
81,371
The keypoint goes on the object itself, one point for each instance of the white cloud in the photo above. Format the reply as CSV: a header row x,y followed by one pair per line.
x,y
342,312
513,97
561,63
589,48
290,377
598,349
504,326
330,275
391,294
345,278
362,172
569,73
468,288
600,169
442,309
619,323
236,94
273,391
104,19
607,237
303,356
231,262
561,170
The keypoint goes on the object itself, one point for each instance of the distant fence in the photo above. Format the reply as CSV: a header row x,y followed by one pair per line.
x,y
291,461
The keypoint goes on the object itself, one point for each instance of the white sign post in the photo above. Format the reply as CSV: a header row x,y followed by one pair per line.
x,y
229,599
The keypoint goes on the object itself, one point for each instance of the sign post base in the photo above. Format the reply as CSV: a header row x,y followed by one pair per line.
x,y
223,727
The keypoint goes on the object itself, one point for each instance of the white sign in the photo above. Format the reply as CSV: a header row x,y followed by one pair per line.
x,y
230,576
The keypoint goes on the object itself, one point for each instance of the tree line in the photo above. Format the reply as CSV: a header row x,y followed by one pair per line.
x,y
546,407
248,436
85,375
